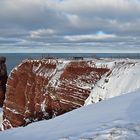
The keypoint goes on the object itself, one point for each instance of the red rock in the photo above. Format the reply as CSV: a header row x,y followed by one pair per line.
x,y
42,89
3,79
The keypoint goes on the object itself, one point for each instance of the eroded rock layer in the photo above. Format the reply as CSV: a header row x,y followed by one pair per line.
x,y
43,89
3,79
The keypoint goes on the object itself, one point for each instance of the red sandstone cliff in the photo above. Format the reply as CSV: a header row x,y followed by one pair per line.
x,y
3,79
42,89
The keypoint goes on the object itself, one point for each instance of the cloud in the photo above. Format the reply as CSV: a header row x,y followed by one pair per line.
x,y
90,38
39,24
41,32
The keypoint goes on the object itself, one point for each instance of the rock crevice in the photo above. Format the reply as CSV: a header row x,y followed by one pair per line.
x,y
3,79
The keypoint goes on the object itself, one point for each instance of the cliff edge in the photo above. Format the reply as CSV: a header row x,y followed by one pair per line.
x,y
43,89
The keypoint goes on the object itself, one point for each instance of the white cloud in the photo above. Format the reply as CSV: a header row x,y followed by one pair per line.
x,y
41,32
90,37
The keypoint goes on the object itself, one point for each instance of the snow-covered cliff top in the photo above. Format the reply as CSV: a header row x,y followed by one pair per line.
x,y
124,77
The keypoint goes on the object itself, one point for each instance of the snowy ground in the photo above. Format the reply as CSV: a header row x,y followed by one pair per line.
x,y
114,119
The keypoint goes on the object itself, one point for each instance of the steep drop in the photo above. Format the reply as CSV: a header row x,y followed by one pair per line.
x,y
43,89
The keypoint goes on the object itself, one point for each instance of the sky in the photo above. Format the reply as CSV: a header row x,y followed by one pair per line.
x,y
70,26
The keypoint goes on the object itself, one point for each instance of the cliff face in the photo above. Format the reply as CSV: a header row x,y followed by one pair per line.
x,y
3,79
43,89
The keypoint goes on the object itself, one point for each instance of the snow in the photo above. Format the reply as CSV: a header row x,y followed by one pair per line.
x,y
59,70
116,118
36,68
124,77
12,110
1,113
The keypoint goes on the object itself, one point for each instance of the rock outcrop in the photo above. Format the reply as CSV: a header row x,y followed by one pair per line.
x,y
3,79
43,89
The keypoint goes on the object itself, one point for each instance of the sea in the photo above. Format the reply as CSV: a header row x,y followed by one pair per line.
x,y
13,59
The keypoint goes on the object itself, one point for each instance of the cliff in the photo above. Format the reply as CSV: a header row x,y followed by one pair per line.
x,y
43,89
3,79
123,78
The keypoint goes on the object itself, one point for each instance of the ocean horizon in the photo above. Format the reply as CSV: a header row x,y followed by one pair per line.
x,y
13,59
